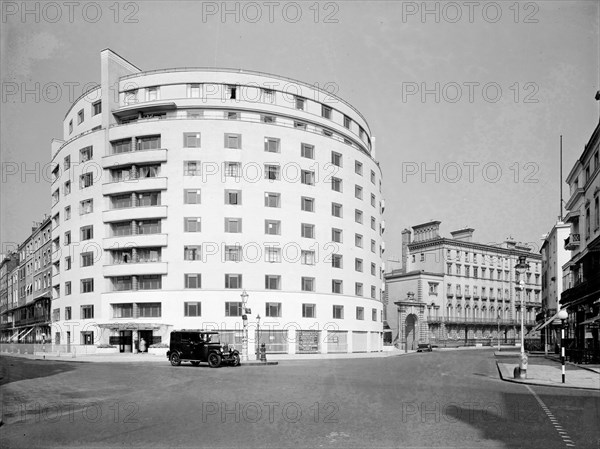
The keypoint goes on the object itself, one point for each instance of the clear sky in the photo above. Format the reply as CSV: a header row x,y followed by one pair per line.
x,y
466,100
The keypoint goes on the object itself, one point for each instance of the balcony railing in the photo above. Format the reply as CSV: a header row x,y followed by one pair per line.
x,y
572,242
585,287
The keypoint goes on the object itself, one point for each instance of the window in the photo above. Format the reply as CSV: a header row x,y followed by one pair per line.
x,y
80,117
67,263
87,259
148,143
149,227
358,216
233,309
360,313
358,288
272,172
131,96
86,232
194,90
233,281
233,141
309,310
149,199
373,223
358,192
373,292
308,285
272,254
307,177
307,257
191,140
338,312
68,313
336,159
358,264
97,107
299,101
149,171
121,283
191,168
232,169
231,115
336,184
87,312
67,238
273,309
149,310
191,196
233,197
192,224
336,260
307,230
372,176
336,210
56,315
358,240
358,168
373,246
233,225
336,235
347,122
299,125
373,201
86,180
267,119
326,111
231,92
327,132
307,151
55,196
192,252
150,282
192,308
70,126
193,280
86,154
273,227
272,145
272,199
233,253
67,163
433,288
268,95
87,286
307,204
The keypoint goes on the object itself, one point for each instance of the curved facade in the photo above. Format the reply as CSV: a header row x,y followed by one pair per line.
x,y
177,190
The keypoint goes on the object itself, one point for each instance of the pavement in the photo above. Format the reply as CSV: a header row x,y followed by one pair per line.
x,y
547,371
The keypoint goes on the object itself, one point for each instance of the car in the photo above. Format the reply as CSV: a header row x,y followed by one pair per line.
x,y
199,346
424,347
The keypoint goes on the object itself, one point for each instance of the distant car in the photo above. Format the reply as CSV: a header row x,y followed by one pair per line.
x,y
196,346
424,347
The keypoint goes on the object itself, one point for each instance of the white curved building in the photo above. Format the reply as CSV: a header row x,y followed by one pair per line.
x,y
176,190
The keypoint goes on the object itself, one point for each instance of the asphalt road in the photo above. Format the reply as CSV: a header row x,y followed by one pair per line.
x,y
440,399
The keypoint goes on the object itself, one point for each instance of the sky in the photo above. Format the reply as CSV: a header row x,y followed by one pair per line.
x,y
467,101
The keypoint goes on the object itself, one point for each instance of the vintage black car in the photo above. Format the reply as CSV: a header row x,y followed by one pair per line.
x,y
197,345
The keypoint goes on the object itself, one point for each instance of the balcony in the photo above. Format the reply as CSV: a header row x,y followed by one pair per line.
x,y
577,193
134,157
134,269
572,242
585,288
134,185
135,241
134,213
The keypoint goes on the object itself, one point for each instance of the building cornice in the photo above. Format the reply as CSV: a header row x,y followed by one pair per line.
x,y
444,242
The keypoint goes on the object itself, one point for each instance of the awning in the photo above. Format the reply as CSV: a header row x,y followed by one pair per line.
x,y
26,333
590,321
541,326
132,326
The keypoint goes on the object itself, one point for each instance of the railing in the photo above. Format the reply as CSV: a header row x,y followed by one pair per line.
x,y
583,356
474,320
454,343
587,286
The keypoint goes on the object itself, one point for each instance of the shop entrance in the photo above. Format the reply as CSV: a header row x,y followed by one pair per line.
x,y
147,336
125,341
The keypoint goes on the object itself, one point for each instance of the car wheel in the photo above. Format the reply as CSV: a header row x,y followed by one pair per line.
x,y
196,363
214,360
175,359
236,360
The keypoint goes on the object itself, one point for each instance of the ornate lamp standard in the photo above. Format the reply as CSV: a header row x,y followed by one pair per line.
x,y
257,337
521,268
244,296
498,321
562,316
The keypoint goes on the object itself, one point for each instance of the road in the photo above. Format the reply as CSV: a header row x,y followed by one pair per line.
x,y
439,399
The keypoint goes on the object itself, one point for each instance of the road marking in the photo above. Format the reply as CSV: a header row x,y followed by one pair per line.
x,y
561,432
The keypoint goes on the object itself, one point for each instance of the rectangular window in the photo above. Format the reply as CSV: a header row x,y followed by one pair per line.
x,y
87,285
56,315
150,282
80,117
191,196
336,260
307,151
192,308
233,197
272,145
336,235
121,283
373,246
149,310
192,252
309,310
358,192
67,238
300,125
122,310
307,257
338,312
87,312
191,168
149,227
358,168
233,141
86,233
67,163
149,199
272,172
372,176
268,95
336,159
336,184
326,111
70,126
307,230
373,223
231,91
147,143
373,292
67,263
307,204
272,282
299,101
55,196
97,107
360,313
86,154
373,201
273,227
272,254
272,199
233,225
358,265
358,216
308,284
87,259
121,146
193,280
231,115
347,122
358,240
233,281
67,293
194,90
267,118
307,177
233,309
233,253
86,180
191,140
273,309
232,169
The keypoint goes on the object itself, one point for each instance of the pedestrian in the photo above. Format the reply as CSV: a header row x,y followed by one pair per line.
x,y
142,345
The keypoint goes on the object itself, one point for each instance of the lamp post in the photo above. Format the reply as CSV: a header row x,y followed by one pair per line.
x,y
244,296
498,321
257,337
521,268
562,316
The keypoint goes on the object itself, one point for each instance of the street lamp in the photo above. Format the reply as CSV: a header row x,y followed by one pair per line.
x,y
244,296
498,321
521,268
257,337
562,316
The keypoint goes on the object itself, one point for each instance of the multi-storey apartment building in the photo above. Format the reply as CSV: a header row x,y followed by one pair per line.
x,y
454,289
175,191
582,272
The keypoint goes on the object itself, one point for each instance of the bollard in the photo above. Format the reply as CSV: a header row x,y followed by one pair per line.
x,y
523,365
263,353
